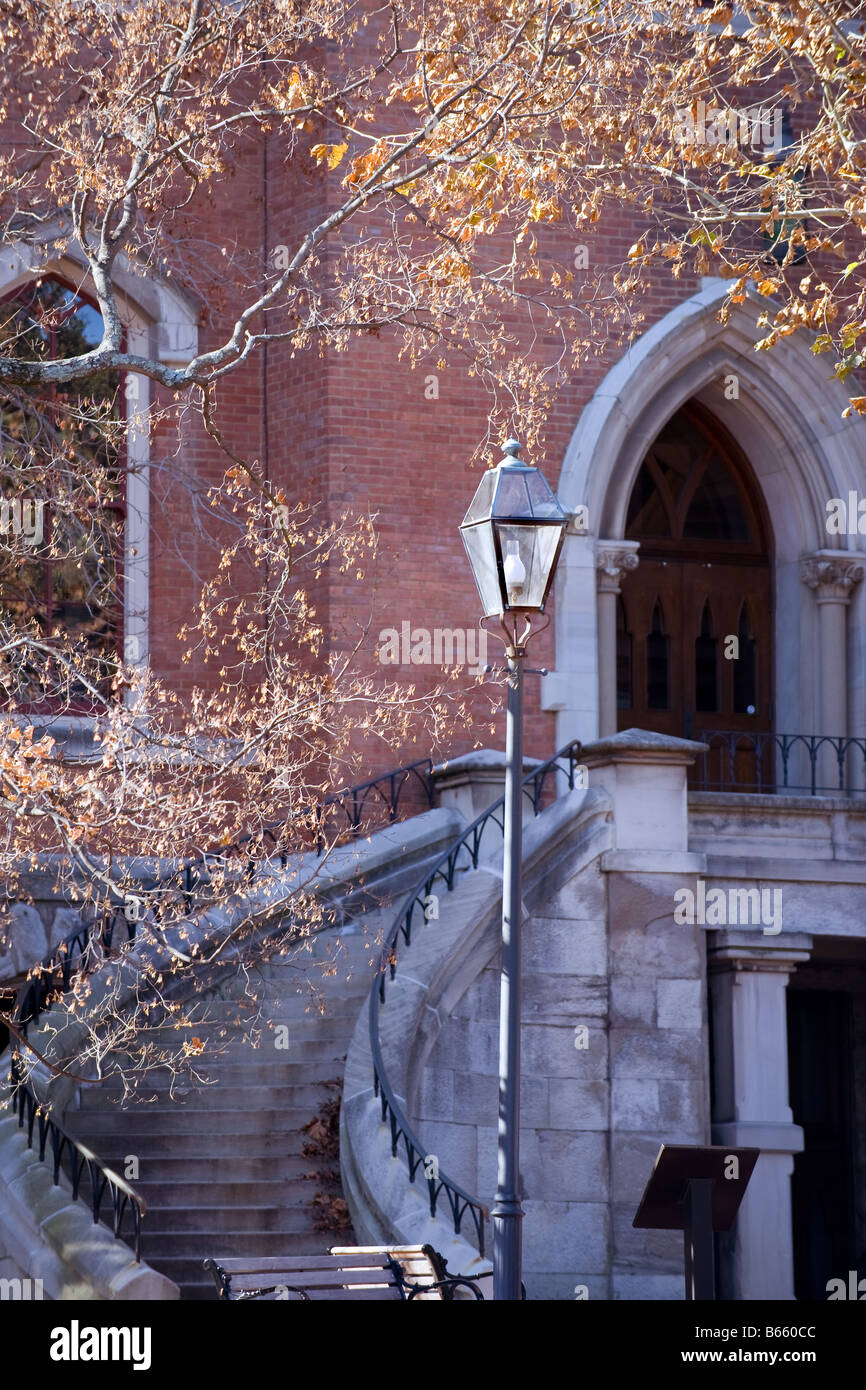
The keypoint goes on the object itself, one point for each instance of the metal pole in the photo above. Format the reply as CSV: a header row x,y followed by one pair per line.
x,y
698,1240
507,1211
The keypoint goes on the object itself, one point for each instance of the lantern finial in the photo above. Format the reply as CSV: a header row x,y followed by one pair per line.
x,y
512,448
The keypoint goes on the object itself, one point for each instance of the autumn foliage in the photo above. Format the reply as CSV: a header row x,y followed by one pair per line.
x,y
448,142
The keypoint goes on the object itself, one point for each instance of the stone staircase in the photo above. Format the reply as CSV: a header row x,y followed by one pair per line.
x,y
221,1166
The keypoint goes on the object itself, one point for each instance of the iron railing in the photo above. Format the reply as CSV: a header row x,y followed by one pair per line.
x,y
462,855
352,804
53,978
79,1160
815,764
84,949
79,953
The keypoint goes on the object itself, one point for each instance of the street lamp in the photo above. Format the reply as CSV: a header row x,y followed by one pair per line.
x,y
513,534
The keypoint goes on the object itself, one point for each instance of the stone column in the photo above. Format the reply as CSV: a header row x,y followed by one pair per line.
x,y
831,575
644,774
748,975
612,558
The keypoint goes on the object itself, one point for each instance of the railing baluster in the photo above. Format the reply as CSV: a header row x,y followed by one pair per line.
x,y
779,778
43,1134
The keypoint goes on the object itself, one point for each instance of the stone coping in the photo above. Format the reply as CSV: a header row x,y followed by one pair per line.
x,y
53,1237
481,760
642,745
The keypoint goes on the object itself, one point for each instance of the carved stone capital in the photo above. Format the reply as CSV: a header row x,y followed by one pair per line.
x,y
831,575
612,560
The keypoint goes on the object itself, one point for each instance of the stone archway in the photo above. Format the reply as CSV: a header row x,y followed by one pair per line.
x,y
784,410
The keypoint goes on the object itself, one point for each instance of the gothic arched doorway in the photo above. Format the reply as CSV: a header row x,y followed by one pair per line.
x,y
694,620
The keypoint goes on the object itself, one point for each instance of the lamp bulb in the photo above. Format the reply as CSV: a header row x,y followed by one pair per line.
x,y
514,570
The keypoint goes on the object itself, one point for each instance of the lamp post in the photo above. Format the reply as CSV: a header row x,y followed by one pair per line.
x,y
513,534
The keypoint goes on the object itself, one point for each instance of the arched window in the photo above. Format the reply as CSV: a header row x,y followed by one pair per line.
x,y
63,470
686,490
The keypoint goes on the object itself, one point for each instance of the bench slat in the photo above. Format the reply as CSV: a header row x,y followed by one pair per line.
x,y
323,1279
378,1250
348,1272
301,1262
317,1295
355,1254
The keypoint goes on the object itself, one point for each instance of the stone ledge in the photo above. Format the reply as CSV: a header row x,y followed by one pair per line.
x,y
832,871
780,801
397,1212
769,1136
54,1238
650,861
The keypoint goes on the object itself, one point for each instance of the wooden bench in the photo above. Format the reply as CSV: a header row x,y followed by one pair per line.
x,y
401,1272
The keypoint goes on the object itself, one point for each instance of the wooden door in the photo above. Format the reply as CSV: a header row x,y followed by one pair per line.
x,y
694,625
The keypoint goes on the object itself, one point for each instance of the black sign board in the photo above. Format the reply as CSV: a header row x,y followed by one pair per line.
x,y
696,1190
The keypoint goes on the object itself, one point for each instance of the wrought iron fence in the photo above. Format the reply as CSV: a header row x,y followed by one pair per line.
x,y
815,764
81,952
79,1160
353,811
463,855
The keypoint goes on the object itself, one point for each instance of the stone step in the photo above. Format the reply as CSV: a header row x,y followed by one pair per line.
x,y
355,961
327,992
233,1049
231,1193
217,1171
286,1096
262,1069
317,989
211,1148
224,1123
219,1013
167,1225
280,1069
198,1293
186,1270
220,1161
191,1244
222,1015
